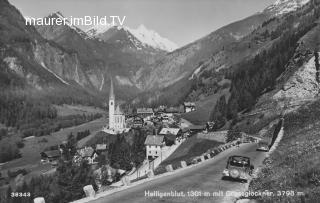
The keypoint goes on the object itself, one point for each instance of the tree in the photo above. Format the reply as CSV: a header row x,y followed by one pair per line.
x,y
102,160
70,148
8,150
316,61
233,135
3,133
72,178
121,154
104,176
218,115
233,107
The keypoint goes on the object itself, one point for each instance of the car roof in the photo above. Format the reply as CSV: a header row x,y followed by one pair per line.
x,y
236,156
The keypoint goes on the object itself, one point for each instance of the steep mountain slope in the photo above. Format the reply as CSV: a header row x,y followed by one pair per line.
x,y
247,68
25,53
182,62
298,83
114,53
219,50
34,74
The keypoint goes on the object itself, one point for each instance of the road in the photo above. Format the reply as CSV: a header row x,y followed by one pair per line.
x,y
205,177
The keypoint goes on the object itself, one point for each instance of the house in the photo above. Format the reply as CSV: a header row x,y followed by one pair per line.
x,y
189,106
145,112
154,145
50,156
167,118
101,147
197,128
171,135
137,122
160,109
156,119
87,153
173,110
185,132
173,131
210,126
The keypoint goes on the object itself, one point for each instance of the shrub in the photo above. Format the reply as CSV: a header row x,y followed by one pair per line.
x,y
8,150
13,174
20,144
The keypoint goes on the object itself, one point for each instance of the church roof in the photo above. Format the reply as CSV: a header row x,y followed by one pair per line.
x,y
118,111
111,96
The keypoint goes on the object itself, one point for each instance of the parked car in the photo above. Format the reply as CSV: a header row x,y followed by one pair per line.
x,y
238,168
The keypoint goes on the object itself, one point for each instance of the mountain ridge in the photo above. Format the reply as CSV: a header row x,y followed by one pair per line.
x,y
145,36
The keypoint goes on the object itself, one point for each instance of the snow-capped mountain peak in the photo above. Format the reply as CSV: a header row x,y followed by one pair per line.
x,y
281,7
153,39
98,29
145,36
58,14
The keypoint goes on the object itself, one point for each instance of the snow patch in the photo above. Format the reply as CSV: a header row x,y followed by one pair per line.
x,y
12,63
102,83
281,7
236,36
195,73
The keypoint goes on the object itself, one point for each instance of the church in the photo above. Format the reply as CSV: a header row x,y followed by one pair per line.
x,y
117,120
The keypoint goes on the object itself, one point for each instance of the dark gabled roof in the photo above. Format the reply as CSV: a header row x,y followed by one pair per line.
x,y
52,153
184,130
172,110
170,137
145,110
189,104
197,127
156,140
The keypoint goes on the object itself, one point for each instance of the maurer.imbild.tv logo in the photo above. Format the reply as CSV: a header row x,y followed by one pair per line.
x,y
77,21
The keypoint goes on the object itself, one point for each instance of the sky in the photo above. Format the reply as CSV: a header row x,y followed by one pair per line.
x,y
181,21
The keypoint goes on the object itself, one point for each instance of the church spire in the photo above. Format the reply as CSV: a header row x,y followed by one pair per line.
x,y
111,96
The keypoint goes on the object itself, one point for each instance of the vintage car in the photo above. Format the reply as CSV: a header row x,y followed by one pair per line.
x,y
263,147
238,168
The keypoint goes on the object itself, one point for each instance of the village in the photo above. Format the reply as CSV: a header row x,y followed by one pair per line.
x,y
169,132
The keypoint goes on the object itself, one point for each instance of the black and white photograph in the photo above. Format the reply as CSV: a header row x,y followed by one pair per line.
x,y
159,101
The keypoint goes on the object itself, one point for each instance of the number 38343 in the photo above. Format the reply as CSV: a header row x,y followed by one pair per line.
x,y
20,194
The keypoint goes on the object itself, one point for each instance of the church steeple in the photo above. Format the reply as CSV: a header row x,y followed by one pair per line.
x,y
111,107
111,96
117,120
